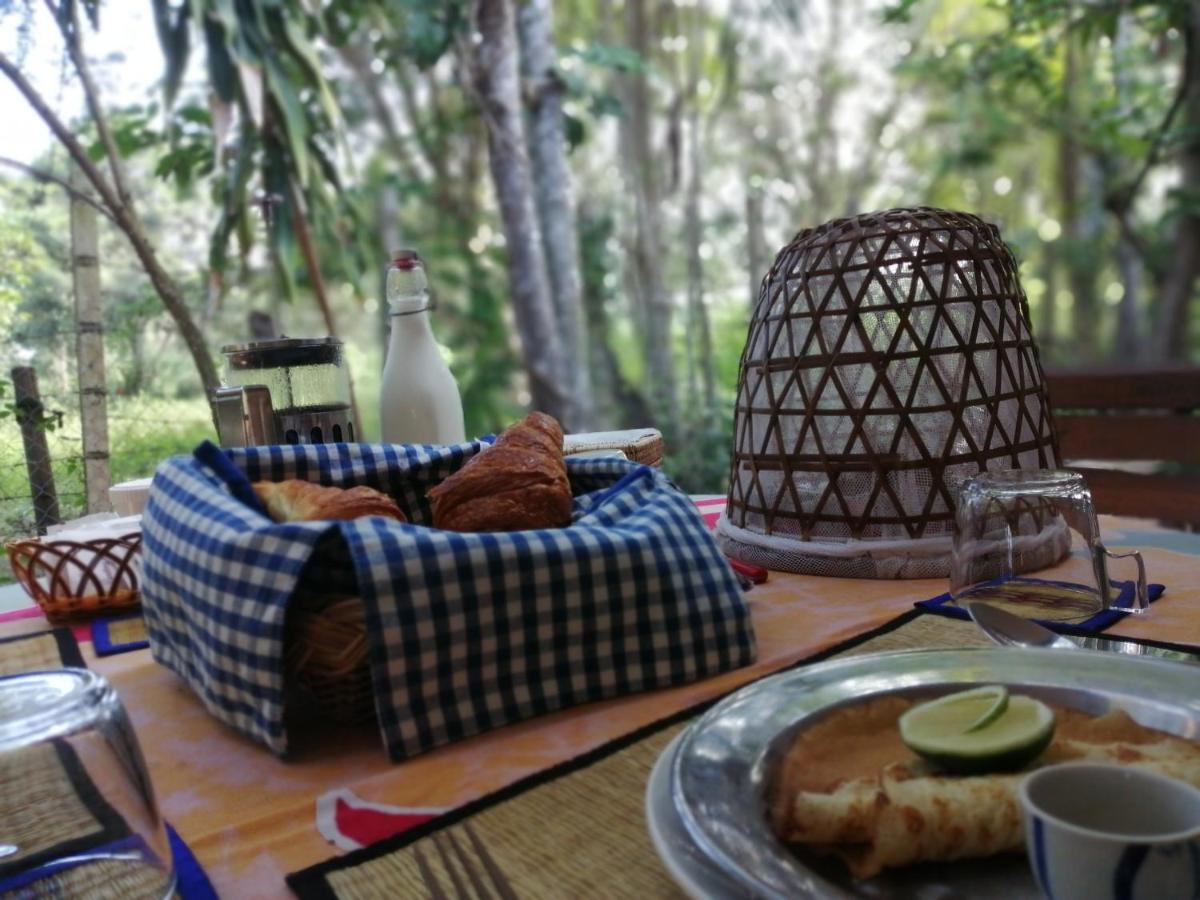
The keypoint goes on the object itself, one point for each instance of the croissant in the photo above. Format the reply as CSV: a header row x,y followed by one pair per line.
x,y
296,500
519,482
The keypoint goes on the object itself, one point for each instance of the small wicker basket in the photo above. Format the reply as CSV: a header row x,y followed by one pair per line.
x,y
78,579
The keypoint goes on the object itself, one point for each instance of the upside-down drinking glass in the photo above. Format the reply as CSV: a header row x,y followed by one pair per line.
x,y
77,812
1029,541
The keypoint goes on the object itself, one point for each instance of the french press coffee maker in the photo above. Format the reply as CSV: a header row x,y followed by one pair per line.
x,y
284,391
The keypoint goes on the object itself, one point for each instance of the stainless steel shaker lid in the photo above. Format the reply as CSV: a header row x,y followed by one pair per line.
x,y
284,352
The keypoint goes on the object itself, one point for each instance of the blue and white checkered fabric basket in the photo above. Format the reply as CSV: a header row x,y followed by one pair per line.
x,y
468,631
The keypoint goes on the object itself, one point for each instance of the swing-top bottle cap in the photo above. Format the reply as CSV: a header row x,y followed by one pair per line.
x,y
406,258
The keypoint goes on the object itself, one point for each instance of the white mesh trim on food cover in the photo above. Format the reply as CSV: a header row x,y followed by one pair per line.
x,y
928,546
864,565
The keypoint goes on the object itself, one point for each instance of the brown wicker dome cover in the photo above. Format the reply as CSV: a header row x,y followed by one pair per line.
x,y
889,357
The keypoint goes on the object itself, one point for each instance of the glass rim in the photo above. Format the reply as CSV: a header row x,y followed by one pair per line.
x,y
1031,481
49,703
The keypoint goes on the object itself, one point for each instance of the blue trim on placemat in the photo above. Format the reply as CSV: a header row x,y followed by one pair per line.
x,y
102,640
192,882
943,605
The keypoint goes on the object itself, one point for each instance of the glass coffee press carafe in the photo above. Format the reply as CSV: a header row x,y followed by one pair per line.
x,y
284,391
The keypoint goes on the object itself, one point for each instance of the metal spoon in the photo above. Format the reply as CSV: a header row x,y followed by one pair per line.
x,y
1010,630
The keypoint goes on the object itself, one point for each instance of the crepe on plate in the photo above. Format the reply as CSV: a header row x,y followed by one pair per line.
x,y
850,788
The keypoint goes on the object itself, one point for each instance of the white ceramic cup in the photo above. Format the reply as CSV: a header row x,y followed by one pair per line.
x,y
1098,831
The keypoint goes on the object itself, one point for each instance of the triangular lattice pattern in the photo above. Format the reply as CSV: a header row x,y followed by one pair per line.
x,y
890,356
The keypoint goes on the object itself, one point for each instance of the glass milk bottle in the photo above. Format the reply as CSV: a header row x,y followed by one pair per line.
x,y
418,400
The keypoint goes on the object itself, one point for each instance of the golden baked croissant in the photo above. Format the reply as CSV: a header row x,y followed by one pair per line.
x,y
519,482
296,500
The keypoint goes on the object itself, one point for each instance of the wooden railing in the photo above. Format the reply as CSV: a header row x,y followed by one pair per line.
x,y
1133,416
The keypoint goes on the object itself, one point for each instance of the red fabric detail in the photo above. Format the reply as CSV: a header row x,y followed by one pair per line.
x,y
366,826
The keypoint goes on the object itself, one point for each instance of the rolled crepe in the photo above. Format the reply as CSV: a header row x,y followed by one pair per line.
x,y
837,794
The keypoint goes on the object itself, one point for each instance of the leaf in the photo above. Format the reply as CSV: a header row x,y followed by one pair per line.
x,y
574,130
221,115
429,28
607,56
276,181
307,56
174,37
233,202
900,13
295,120
222,74
252,91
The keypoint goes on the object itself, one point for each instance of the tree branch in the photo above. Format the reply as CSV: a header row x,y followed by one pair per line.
x,y
70,35
65,137
1125,198
126,219
48,177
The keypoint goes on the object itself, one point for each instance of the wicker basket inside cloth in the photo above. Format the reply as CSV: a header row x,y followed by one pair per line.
x,y
890,356
439,634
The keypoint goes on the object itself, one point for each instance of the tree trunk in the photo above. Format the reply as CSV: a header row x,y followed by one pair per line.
x,y
629,408
1171,339
648,257
700,347
134,380
89,350
1128,340
496,79
1081,274
1047,336
1128,345
555,199
309,251
30,414
756,242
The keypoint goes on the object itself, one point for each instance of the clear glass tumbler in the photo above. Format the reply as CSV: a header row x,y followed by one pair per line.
x,y
1029,541
78,816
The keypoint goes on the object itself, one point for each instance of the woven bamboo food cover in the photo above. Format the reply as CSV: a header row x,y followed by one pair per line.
x,y
890,356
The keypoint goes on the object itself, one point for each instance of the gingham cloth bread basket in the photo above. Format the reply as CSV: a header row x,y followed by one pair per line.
x,y
467,631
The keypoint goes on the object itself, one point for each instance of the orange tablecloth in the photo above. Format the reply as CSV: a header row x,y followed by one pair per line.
x,y
250,818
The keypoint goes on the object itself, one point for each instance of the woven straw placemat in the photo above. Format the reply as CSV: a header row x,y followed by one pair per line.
x,y
49,806
51,649
578,830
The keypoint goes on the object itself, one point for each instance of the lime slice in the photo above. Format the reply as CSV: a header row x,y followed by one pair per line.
x,y
980,730
999,697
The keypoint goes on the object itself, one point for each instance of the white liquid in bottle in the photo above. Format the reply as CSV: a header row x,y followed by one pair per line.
x,y
419,401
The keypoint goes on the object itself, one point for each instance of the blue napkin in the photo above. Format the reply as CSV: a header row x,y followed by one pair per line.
x,y
943,605
239,485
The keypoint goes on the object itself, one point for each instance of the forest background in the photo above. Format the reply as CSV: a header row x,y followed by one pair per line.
x,y
598,189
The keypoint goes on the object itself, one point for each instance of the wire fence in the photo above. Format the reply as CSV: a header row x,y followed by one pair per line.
x,y
142,431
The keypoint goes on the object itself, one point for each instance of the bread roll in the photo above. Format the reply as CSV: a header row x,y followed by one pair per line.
x,y
296,500
519,482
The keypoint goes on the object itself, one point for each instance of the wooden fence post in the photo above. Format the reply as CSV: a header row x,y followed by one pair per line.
x,y
30,413
89,349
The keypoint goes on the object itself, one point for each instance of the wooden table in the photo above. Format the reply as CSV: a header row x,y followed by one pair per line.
x,y
251,818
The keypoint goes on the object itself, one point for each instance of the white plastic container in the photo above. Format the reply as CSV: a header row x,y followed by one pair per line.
x,y
129,497
419,401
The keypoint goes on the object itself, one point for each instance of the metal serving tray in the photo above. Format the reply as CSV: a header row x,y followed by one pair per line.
x,y
706,805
